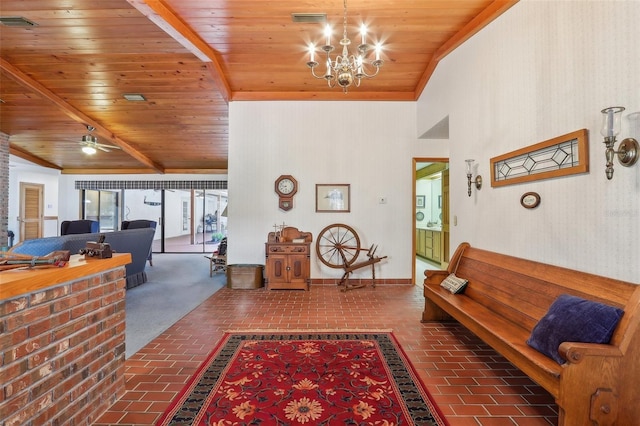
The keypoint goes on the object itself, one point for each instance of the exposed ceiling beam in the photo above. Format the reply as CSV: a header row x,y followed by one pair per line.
x,y
13,150
166,19
74,113
484,18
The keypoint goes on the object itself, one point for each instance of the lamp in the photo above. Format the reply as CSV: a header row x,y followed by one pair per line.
x,y
477,180
89,150
347,68
627,152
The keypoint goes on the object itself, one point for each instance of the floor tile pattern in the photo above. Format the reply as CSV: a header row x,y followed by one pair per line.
x,y
471,383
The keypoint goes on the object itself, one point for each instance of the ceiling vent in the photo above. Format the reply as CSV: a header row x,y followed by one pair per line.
x,y
16,21
134,97
309,18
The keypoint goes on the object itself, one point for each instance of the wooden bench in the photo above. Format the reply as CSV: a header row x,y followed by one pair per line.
x,y
504,299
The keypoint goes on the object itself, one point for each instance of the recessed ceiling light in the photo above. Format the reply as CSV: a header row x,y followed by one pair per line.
x,y
16,21
309,17
134,97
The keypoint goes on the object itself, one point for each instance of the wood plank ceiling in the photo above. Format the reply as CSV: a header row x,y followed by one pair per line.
x,y
190,58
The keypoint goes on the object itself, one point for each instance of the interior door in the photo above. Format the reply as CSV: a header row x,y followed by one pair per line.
x,y
31,210
445,219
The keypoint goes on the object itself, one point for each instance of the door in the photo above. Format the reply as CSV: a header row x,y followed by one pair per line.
x,y
445,219
102,206
296,269
31,210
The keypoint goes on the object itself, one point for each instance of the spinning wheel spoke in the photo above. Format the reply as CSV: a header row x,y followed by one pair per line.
x,y
337,245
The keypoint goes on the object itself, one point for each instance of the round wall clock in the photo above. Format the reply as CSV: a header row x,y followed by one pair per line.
x,y
286,187
530,200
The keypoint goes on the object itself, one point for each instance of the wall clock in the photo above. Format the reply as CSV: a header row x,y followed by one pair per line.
x,y
286,187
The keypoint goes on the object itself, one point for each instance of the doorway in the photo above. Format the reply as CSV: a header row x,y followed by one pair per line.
x,y
431,215
31,211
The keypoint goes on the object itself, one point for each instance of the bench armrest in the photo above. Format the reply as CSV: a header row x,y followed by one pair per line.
x,y
575,352
434,277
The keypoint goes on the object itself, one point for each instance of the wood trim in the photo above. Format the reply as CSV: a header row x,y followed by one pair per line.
x,y
354,95
142,171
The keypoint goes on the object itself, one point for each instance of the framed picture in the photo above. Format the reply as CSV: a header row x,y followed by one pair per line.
x,y
419,201
334,197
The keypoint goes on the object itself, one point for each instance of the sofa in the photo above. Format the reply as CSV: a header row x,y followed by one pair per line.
x,y
135,241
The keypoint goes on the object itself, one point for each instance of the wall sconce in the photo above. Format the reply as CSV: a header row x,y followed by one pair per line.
x,y
627,150
477,180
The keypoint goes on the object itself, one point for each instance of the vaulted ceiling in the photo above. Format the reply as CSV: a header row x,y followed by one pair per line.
x,y
189,59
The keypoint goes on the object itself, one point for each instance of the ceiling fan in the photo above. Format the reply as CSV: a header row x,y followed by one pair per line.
x,y
90,143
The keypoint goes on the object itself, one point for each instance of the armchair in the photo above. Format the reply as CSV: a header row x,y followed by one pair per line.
x,y
68,227
137,224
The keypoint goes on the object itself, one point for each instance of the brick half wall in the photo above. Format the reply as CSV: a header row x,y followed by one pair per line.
x,y
63,351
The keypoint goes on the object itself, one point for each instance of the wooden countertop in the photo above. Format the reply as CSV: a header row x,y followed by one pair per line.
x,y
16,282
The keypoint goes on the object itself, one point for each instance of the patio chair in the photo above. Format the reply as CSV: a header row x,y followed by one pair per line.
x,y
218,259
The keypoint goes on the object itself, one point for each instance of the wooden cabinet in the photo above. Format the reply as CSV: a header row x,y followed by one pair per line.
x,y
437,246
429,244
420,242
287,266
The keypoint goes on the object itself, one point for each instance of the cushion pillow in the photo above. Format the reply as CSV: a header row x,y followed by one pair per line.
x,y
454,284
573,319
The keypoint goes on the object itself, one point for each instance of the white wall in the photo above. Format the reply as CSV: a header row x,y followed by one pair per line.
x,y
543,69
366,145
23,171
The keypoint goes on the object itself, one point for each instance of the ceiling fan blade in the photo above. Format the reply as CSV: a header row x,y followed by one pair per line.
x,y
101,148
108,146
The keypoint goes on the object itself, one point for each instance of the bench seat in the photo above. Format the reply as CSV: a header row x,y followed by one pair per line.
x,y
497,331
506,297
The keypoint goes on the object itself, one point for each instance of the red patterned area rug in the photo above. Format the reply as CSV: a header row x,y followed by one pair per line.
x,y
312,378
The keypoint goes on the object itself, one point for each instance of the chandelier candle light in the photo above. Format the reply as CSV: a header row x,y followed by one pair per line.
x,y
346,69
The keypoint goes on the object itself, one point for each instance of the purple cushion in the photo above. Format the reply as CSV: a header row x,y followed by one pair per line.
x,y
573,319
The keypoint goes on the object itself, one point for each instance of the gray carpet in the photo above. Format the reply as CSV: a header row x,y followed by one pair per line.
x,y
177,283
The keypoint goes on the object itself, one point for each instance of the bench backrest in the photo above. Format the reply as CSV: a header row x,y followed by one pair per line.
x,y
522,290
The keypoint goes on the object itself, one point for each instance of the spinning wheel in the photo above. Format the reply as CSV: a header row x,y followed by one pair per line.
x,y
338,245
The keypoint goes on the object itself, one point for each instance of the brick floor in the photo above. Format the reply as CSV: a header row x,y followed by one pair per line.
x,y
470,383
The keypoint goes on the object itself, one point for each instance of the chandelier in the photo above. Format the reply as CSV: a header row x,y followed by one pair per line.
x,y
346,69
